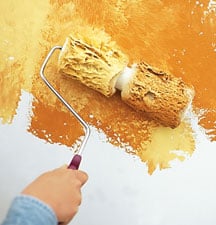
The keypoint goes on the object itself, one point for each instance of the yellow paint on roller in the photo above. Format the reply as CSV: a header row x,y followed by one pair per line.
x,y
162,96
94,62
98,62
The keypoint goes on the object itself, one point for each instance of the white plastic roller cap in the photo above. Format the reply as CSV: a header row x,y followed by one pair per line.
x,y
125,77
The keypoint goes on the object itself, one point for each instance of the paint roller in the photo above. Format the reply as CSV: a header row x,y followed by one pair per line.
x,y
102,66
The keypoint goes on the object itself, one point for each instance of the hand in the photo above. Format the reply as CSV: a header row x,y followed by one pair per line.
x,y
60,189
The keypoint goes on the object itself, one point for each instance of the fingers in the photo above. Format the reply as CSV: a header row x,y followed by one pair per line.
x,y
82,176
61,190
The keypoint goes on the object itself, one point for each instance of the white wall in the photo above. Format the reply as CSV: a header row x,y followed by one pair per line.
x,y
119,190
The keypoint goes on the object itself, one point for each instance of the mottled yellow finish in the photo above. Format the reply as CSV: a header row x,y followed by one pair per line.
x,y
20,28
166,34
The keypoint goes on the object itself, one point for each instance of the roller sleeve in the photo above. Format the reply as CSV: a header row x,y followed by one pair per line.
x,y
96,65
101,65
162,96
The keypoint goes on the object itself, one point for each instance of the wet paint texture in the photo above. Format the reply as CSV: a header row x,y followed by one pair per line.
x,y
178,38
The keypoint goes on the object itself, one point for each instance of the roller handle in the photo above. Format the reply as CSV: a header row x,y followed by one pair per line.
x,y
75,162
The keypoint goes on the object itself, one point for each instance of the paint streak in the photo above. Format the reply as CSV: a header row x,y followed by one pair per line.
x,y
54,126
176,37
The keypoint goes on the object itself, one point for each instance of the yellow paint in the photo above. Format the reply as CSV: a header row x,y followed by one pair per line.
x,y
20,25
173,36
166,145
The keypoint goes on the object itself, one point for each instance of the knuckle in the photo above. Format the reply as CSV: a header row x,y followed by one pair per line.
x,y
77,183
73,211
82,176
79,200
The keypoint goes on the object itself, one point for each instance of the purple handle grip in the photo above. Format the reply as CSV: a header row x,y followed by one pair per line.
x,y
75,162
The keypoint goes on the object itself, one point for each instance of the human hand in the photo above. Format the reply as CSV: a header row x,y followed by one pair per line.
x,y
61,190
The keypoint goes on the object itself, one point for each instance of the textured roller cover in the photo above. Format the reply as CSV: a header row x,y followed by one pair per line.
x,y
98,63
162,96
95,64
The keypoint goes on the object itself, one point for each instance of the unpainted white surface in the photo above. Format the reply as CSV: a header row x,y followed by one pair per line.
x,y
119,190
